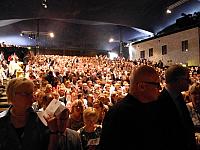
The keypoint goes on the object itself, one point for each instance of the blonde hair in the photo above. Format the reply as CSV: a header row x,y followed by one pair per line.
x,y
17,84
89,113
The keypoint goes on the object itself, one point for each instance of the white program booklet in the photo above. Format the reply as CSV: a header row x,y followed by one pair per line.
x,y
53,109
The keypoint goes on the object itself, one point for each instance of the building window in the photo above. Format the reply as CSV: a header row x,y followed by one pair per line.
x,y
142,54
164,49
185,46
150,52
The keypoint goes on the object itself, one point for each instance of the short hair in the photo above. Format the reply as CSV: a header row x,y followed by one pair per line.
x,y
174,72
17,85
89,113
142,72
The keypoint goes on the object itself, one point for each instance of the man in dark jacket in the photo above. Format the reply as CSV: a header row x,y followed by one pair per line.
x,y
178,128
132,124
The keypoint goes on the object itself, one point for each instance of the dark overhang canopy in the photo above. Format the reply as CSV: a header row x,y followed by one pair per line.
x,y
134,18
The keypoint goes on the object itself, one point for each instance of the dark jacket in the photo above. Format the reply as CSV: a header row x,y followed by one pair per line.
x,y
34,136
178,128
131,125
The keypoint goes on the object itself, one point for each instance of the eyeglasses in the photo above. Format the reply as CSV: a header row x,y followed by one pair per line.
x,y
78,107
186,79
62,119
195,93
24,94
156,84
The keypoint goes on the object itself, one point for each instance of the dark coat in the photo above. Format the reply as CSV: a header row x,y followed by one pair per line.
x,y
131,125
178,130
34,136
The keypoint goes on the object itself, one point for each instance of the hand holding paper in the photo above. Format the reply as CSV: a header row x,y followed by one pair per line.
x,y
53,109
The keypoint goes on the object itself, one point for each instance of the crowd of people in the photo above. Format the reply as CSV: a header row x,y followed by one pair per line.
x,y
106,102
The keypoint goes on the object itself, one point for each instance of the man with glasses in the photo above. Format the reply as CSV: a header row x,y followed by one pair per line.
x,y
178,128
132,123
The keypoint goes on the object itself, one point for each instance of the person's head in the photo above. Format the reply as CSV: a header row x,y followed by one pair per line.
x,y
85,86
177,78
98,105
36,85
20,93
90,98
48,88
46,100
107,87
38,97
62,119
74,96
144,84
50,73
80,96
61,91
80,83
114,97
194,94
89,83
101,97
68,84
117,86
77,106
56,95
90,116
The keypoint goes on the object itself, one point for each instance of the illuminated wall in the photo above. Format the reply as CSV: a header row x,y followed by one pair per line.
x,y
174,55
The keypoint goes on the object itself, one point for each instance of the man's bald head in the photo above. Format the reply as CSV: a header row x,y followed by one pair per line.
x,y
144,84
143,73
